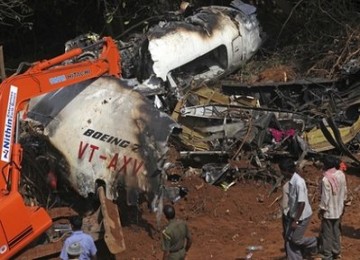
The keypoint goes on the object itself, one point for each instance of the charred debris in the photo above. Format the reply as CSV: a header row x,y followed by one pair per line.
x,y
233,129
185,62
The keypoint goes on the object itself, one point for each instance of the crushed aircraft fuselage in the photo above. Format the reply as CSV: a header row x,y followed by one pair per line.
x,y
207,44
104,132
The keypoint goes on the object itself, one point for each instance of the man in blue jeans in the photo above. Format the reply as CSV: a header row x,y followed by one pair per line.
x,y
299,213
88,248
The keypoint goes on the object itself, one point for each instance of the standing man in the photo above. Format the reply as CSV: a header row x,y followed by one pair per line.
x,y
299,213
176,239
88,248
332,204
285,210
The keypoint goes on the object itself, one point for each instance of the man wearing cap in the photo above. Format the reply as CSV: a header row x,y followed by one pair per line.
x,y
74,251
176,239
88,248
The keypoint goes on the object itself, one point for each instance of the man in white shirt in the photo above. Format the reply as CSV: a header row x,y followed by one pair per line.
x,y
285,210
333,197
299,213
86,242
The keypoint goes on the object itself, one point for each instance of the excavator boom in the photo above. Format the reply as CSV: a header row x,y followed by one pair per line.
x,y
21,224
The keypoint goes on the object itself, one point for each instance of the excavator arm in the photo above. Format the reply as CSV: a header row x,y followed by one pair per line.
x,y
21,224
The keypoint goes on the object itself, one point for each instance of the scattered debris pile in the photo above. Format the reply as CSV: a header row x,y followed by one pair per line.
x,y
230,128
102,142
253,125
104,132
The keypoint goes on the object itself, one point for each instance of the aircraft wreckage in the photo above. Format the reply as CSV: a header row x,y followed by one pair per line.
x,y
182,49
105,131
106,140
236,129
231,121
117,135
252,123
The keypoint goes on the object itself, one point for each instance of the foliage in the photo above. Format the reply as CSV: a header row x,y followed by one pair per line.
x,y
318,36
15,12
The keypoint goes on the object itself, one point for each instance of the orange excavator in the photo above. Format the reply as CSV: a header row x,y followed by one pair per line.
x,y
22,224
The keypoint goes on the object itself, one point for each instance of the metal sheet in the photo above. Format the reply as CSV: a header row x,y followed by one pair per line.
x,y
233,34
105,131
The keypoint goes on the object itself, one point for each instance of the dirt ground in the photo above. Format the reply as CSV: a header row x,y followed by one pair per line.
x,y
224,223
